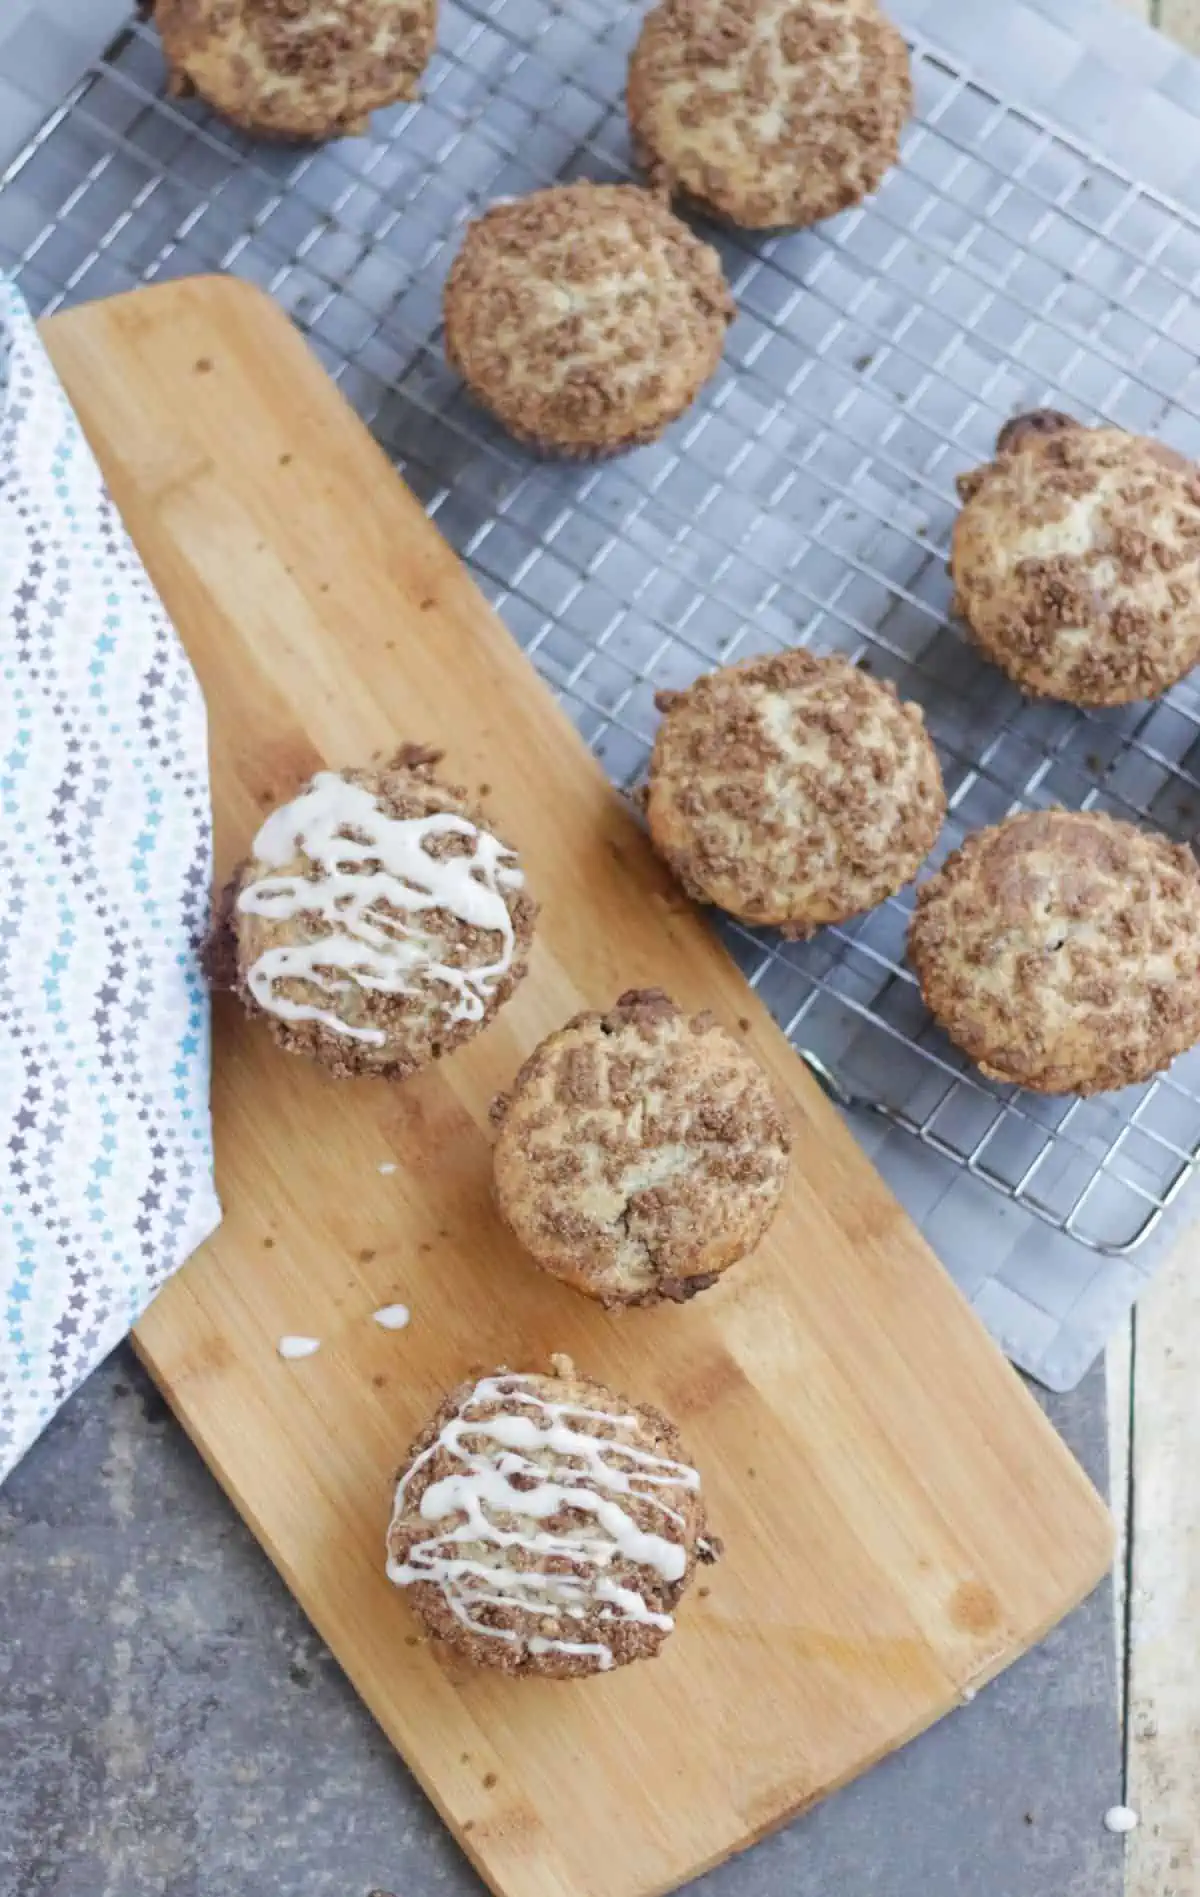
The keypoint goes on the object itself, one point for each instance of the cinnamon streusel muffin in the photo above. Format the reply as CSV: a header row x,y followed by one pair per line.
x,y
639,1153
304,69
769,112
378,922
1076,561
586,317
1061,950
544,1525
793,790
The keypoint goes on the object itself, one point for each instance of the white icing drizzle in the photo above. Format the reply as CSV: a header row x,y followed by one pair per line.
x,y
298,1346
374,936
588,1473
392,1317
1120,1819
387,1167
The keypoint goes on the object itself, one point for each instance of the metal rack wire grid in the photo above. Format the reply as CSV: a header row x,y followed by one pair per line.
x,y
807,498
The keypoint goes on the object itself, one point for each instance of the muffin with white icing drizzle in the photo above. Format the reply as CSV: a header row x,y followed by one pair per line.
x,y
544,1525
378,922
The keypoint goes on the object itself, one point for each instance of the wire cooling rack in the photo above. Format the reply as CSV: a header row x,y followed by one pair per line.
x,y
808,497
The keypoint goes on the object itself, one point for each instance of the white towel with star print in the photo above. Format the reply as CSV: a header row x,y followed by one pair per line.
x,y
106,1181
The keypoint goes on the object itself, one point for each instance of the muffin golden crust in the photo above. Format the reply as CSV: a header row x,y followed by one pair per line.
x,y
586,317
640,1153
793,790
545,1525
1061,951
769,112
378,923
304,69
1076,561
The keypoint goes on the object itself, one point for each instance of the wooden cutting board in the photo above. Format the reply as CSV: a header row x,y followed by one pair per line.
x,y
899,1520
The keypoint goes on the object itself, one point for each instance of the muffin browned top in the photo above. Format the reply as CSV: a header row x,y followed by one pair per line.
x,y
1076,562
769,112
546,1525
586,316
298,68
1061,950
794,790
639,1152
378,921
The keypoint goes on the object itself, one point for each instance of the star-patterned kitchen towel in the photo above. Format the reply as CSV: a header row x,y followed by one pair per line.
x,y
106,1180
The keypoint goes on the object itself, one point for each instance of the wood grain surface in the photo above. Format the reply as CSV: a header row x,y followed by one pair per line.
x,y
899,1519
1179,18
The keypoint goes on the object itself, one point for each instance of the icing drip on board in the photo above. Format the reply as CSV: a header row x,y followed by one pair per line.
x,y
392,1317
296,1347
376,880
531,1465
